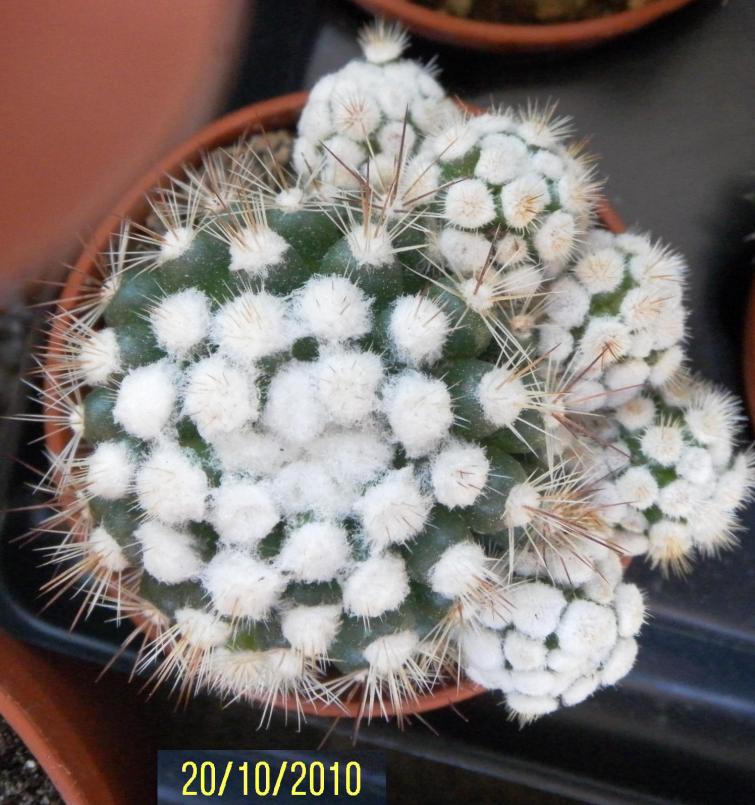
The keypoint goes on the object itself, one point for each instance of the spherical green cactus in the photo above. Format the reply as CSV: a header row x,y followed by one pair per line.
x,y
393,417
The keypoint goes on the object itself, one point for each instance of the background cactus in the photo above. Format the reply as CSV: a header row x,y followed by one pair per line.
x,y
394,417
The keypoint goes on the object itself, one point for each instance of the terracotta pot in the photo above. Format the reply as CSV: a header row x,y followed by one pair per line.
x,y
74,727
281,112
518,38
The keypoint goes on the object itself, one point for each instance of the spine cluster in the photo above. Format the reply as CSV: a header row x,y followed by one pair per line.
x,y
351,428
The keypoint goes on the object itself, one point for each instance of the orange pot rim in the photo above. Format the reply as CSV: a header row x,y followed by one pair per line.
x,y
511,37
279,112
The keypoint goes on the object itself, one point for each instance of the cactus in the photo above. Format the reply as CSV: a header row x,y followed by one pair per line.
x,y
391,418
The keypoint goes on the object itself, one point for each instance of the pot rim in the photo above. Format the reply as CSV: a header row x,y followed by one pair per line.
x,y
525,37
278,112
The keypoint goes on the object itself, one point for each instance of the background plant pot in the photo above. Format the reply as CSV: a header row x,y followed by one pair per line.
x,y
281,112
504,37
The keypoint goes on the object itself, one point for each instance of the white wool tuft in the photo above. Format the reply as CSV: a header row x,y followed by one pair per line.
x,y
99,357
556,238
353,456
465,252
524,199
521,504
638,487
180,321
587,629
502,158
370,246
512,250
376,586
333,309
608,573
393,510
219,397
356,116
311,630
481,648
453,142
668,542
168,555
497,679
392,137
347,383
309,486
524,653
680,499
663,444
459,474
419,411
243,512
503,396
108,552
175,242
606,339
342,160
469,204
666,366
637,414
549,164
315,552
534,683
620,663
521,282
580,690
555,342
626,380
529,708
110,469
563,663
145,400
293,411
567,303
600,271
459,571
570,566
256,251
241,586
388,655
201,628
251,326
630,609
419,181
418,329
536,608
246,450
171,486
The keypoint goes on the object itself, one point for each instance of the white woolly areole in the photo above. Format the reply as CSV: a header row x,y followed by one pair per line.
x,y
625,380
605,340
418,329
145,400
311,630
555,342
376,586
419,411
608,573
638,487
248,451
637,414
522,503
459,473
567,303
315,552
171,486
536,608
533,683
293,411
347,383
99,357
251,326
309,486
459,571
524,653
332,308
393,510
668,541
181,321
256,250
201,628
620,663
580,690
630,609
663,444
587,629
175,242
168,555
600,271
241,586
465,252
388,655
243,512
680,499
370,246
110,469
343,159
666,366
695,465
108,552
219,397
502,158
481,648
502,396
524,199
355,116
354,457
529,708
469,204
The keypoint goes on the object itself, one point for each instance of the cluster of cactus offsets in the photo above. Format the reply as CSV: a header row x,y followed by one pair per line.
x,y
388,418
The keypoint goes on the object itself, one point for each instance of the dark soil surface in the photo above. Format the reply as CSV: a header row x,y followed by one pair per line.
x,y
530,11
22,781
